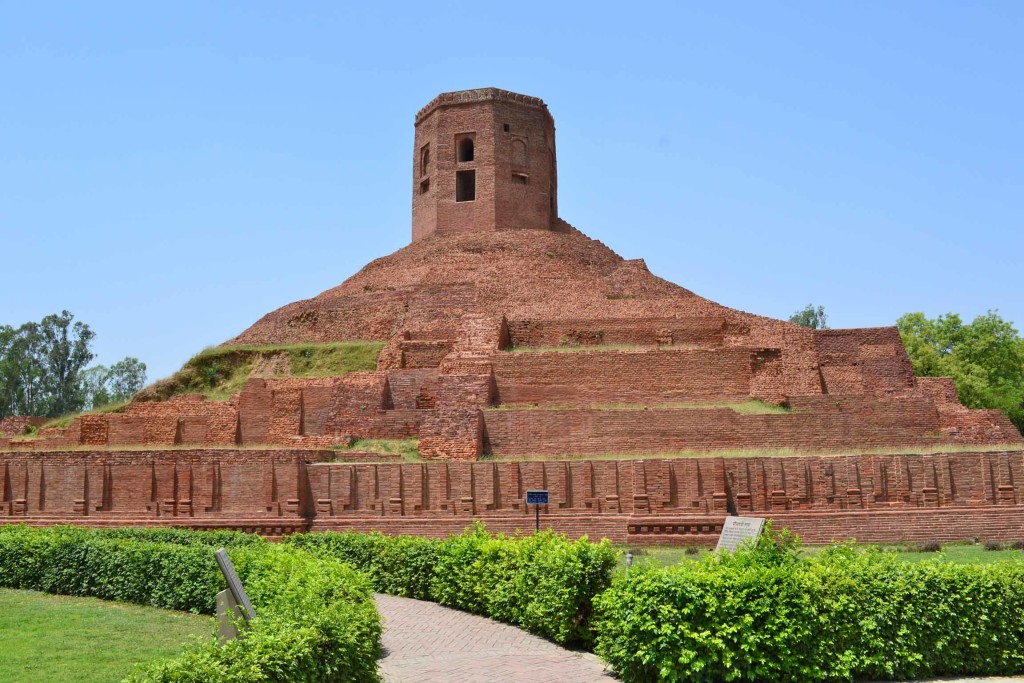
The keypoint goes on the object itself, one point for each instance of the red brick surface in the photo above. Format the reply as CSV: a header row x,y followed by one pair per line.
x,y
943,496
514,139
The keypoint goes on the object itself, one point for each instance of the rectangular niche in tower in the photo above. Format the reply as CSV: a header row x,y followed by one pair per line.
x,y
465,186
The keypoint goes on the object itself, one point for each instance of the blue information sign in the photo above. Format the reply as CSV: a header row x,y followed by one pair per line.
x,y
537,497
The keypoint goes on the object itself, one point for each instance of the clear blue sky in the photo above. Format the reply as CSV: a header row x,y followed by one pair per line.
x,y
171,171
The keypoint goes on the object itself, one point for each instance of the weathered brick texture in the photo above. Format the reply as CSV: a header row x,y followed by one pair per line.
x,y
644,377
875,498
512,162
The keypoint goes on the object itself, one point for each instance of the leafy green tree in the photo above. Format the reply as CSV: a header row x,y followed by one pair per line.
x,y
985,358
43,370
811,316
125,378
94,386
65,354
23,388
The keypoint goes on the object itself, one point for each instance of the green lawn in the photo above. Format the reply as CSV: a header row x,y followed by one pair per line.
x,y
963,553
83,640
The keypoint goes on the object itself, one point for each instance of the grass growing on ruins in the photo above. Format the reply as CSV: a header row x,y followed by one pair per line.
x,y
86,640
220,372
330,360
409,449
65,420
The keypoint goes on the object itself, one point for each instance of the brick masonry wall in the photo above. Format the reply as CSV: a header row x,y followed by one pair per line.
x,y
863,360
513,140
874,498
654,376
163,486
15,425
944,496
707,332
850,424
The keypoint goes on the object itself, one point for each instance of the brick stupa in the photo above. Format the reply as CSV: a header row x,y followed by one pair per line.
x,y
522,354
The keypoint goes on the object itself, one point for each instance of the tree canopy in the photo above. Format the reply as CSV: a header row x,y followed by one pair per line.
x,y
811,316
43,369
985,358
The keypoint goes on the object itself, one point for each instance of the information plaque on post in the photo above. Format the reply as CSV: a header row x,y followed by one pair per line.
x,y
537,497
736,530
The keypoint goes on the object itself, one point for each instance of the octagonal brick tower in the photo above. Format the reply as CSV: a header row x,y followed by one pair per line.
x,y
484,160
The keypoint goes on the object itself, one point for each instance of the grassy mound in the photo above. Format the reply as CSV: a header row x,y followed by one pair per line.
x,y
220,372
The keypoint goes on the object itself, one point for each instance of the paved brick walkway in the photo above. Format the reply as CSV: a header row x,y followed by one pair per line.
x,y
427,643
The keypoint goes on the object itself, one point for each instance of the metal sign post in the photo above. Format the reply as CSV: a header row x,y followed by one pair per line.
x,y
233,602
537,497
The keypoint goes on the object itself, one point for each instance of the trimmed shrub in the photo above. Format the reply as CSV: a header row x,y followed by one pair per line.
x,y
214,538
763,614
315,621
82,562
544,583
315,617
397,565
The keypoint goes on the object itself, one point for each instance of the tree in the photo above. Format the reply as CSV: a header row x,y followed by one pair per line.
x,y
102,385
65,354
125,378
22,377
43,370
94,386
985,358
811,317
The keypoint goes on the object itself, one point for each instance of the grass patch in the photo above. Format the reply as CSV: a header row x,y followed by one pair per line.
x,y
409,449
220,372
334,359
64,420
86,640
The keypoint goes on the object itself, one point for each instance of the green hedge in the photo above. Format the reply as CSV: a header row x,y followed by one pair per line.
x,y
316,620
764,614
75,561
215,538
544,583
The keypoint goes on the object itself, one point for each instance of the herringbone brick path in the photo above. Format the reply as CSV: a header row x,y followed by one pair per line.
x,y
426,643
